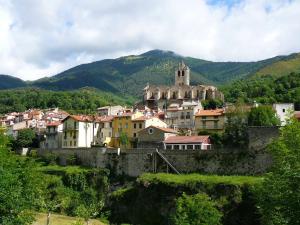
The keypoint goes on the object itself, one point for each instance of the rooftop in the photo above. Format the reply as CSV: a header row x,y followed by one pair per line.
x,y
187,140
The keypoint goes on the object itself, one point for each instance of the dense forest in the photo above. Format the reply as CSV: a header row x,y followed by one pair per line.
x,y
265,89
85,100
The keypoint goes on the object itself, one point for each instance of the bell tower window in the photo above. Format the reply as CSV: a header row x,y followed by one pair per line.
x,y
178,73
183,73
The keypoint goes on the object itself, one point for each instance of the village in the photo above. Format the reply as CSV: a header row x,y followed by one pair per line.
x,y
170,118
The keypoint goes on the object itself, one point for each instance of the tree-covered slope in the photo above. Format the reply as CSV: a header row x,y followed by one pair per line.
x,y
7,82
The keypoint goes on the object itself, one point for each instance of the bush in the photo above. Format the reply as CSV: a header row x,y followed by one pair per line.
x,y
196,209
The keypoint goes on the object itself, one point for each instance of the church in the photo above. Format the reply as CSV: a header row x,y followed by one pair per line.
x,y
161,97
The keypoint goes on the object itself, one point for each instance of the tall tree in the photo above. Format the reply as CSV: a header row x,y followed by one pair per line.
x,y
279,195
263,116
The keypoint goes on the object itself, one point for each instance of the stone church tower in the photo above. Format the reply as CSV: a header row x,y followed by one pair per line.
x,y
182,75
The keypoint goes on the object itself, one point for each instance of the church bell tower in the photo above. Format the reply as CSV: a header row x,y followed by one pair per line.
x,y
182,75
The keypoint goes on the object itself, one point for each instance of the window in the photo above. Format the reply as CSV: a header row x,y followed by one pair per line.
x,y
169,147
215,124
216,117
74,143
74,136
204,124
134,134
110,124
176,147
283,110
188,115
74,124
197,147
178,73
150,131
183,147
204,117
109,134
190,147
70,143
134,125
65,136
140,125
182,116
126,125
183,73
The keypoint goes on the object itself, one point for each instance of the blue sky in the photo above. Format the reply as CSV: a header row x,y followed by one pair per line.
x,y
42,38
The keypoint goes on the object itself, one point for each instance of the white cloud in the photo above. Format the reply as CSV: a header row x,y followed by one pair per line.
x,y
41,37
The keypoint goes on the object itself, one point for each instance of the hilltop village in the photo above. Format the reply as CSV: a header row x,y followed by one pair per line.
x,y
168,117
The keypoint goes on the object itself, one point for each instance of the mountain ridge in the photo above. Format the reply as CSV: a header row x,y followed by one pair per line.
x,y
129,74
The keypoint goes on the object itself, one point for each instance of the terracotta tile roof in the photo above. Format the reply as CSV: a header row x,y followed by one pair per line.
x,y
187,140
53,124
106,118
215,112
80,118
167,130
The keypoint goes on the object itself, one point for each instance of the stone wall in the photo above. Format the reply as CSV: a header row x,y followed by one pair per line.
x,y
260,137
133,162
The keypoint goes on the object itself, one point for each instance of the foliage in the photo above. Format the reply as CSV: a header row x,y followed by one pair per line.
x,y
212,104
80,101
265,89
24,139
124,140
263,116
196,210
279,195
20,191
235,134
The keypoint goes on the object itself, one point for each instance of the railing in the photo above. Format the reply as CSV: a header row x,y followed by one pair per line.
x,y
167,161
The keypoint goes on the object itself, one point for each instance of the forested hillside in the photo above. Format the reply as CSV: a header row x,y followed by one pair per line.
x,y
265,89
85,100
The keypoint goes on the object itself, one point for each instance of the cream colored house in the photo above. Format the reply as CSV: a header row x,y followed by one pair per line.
x,y
104,132
79,131
143,122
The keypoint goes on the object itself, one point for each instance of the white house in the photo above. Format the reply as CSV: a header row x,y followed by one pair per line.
x,y
187,143
284,111
79,131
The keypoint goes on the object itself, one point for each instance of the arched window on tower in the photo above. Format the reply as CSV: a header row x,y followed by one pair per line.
x,y
174,95
183,73
178,73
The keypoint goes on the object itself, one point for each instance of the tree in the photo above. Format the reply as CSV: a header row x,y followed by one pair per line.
x,y
279,195
19,187
124,140
212,104
196,209
25,138
263,116
235,134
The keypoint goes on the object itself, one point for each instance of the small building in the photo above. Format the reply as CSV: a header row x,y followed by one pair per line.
x,y
284,111
210,120
153,136
187,143
143,122
109,110
53,136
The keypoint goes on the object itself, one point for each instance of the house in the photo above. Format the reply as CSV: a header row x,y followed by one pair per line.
x,y
122,125
110,110
284,111
184,116
153,136
210,120
79,131
53,136
187,143
129,124
104,132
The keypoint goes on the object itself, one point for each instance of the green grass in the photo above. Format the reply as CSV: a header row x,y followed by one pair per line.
x,y
175,180
55,219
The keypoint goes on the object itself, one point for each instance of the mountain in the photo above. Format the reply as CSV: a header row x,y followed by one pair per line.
x,y
8,82
130,74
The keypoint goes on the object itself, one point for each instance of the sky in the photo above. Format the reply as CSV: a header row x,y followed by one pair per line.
x,y
41,38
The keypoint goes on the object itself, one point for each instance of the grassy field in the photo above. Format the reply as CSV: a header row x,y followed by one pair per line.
x,y
186,179
60,220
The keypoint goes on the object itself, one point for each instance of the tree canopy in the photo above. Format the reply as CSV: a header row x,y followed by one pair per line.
x,y
263,116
